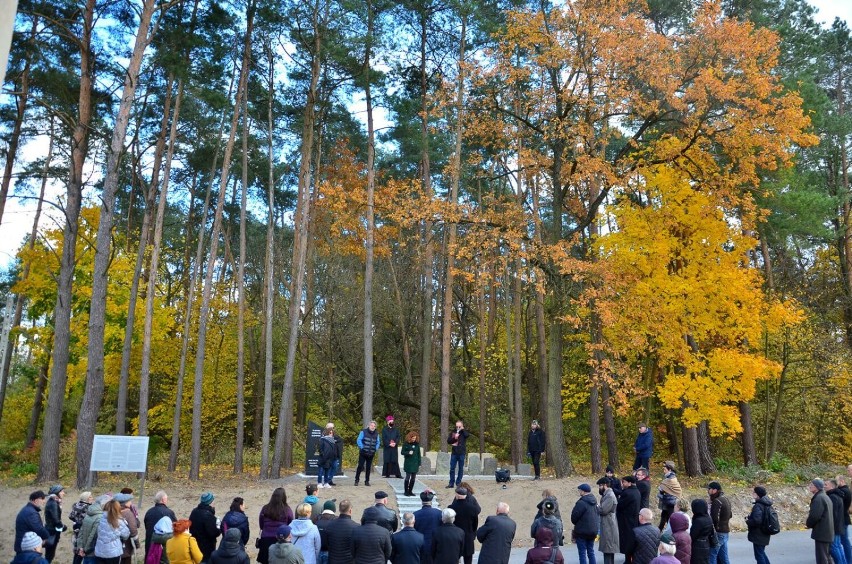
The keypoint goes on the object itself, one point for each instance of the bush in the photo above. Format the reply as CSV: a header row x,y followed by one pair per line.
x,y
22,469
778,463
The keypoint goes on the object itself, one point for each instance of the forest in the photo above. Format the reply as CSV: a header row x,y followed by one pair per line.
x,y
252,214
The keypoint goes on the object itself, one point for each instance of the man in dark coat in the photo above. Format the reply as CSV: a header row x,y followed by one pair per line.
x,y
231,551
613,481
447,540
536,445
496,536
643,484
627,515
384,516
756,535
426,520
836,498
458,440
647,538
325,519
390,455
371,543
160,510
28,519
847,501
467,519
407,544
339,535
587,522
720,512
643,447
204,527
820,520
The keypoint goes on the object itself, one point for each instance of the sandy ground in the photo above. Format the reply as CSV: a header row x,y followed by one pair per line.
x,y
521,495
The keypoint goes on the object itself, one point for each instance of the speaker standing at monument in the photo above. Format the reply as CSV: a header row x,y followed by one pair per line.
x,y
369,442
458,440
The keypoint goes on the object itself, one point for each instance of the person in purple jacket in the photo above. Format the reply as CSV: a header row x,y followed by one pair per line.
x,y
272,515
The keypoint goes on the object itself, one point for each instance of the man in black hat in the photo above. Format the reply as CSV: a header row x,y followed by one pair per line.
x,y
720,512
28,519
426,520
467,519
384,516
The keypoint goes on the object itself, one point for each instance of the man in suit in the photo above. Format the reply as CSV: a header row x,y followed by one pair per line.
x,y
467,519
407,544
447,540
496,536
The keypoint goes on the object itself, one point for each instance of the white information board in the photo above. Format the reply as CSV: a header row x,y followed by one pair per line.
x,y
113,453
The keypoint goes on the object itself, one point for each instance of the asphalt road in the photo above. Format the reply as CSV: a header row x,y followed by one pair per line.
x,y
787,547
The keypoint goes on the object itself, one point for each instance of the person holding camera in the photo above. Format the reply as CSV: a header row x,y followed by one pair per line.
x,y
458,440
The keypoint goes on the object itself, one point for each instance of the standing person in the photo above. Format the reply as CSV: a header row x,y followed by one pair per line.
x,y
129,516
667,550
720,513
371,543
548,520
390,456
466,519
283,551
384,517
325,518
236,518
587,523
627,515
447,540
836,498
458,440
339,535
163,531
669,492
545,550
272,516
327,456
754,521
643,447
231,550
337,463
547,495
205,526
643,484
536,446
153,515
701,532
77,514
53,520
820,520
31,547
305,534
312,500
614,481
426,520
682,507
412,457
496,536
407,544
847,501
89,529
369,442
183,548
680,531
28,519
112,532
608,543
647,538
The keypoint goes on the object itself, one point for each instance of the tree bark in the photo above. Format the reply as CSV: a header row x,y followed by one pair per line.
x,y
708,466
690,451
35,413
749,451
609,427
241,306
367,407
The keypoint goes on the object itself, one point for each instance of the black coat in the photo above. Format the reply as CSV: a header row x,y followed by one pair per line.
x,y
458,441
390,453
647,543
720,512
426,521
327,451
754,522
152,516
231,551
467,519
614,483
820,519
836,497
700,532
322,524
585,517
644,487
536,442
28,519
407,546
847,501
204,528
371,544
447,544
383,517
627,515
496,536
339,535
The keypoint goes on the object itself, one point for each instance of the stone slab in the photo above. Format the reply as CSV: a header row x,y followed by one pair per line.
x,y
474,464
442,465
524,469
489,466
425,466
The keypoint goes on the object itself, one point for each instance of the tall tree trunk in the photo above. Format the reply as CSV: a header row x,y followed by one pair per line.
x,y
609,427
517,395
691,451
483,408
705,456
241,312
48,469
35,413
204,314
595,428
93,395
749,451
447,313
283,453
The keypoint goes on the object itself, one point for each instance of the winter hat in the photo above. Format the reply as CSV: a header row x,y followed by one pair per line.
x,y
329,506
55,489
207,498
381,495
123,497
84,497
31,541
602,482
667,538
818,484
760,491
461,491
670,465
426,496
283,531
164,526
584,488
714,486
233,534
609,469
38,494
549,507
389,418
629,479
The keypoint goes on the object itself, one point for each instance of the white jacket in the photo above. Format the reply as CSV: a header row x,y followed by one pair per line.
x,y
110,541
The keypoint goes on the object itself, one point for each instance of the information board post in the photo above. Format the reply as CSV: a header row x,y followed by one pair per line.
x,y
115,453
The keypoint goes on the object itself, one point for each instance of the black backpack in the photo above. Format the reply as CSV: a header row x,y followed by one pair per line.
x,y
770,525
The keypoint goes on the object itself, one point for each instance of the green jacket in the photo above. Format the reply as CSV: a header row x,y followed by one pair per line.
x,y
285,553
89,529
411,453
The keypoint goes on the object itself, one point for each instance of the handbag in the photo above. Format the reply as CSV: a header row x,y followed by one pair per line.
x,y
712,539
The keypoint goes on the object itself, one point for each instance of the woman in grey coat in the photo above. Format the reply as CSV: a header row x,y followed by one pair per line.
x,y
608,543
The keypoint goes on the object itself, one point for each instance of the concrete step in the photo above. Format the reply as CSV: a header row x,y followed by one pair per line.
x,y
409,503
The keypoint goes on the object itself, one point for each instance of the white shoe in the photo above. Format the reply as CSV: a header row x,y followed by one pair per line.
x,y
326,486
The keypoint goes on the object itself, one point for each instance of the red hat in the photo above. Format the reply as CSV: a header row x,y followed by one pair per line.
x,y
389,418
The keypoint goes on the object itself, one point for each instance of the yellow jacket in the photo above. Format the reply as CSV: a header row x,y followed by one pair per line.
x,y
183,549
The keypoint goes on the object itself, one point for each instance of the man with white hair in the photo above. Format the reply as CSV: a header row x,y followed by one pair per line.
x,y
447,540
496,536
647,538
407,544
157,512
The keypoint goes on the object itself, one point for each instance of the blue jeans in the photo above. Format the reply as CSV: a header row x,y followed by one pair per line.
x,y
760,554
456,460
847,547
586,547
324,475
335,466
837,551
719,553
323,557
